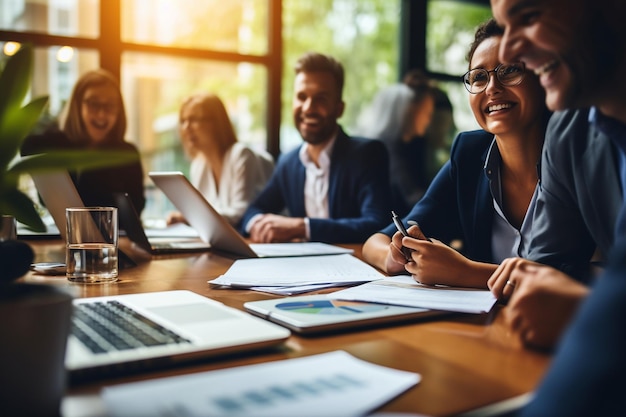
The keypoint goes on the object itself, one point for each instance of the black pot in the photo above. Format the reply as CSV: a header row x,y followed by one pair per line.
x,y
15,259
35,322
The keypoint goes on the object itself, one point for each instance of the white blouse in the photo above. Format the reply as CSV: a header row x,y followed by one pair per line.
x,y
244,174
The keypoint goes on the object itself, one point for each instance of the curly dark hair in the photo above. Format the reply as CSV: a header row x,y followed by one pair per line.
x,y
485,30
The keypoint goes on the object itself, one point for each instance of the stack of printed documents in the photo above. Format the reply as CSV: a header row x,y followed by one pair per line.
x,y
288,276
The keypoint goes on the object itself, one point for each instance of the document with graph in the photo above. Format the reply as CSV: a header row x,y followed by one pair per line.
x,y
328,384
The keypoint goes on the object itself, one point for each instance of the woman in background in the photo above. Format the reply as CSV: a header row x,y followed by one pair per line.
x,y
95,119
226,172
397,116
484,196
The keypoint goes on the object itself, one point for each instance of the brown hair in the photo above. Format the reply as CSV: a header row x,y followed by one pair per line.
x,y
487,29
71,122
316,62
214,108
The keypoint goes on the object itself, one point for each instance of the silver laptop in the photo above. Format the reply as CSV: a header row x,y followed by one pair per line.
x,y
214,229
58,192
138,332
130,223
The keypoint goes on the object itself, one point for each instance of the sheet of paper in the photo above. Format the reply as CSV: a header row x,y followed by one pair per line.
x,y
404,291
292,290
329,384
298,271
297,249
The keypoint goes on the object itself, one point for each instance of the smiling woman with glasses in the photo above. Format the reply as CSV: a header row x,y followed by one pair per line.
x,y
94,118
476,80
482,195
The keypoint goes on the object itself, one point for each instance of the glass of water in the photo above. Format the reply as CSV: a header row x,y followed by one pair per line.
x,y
91,251
8,228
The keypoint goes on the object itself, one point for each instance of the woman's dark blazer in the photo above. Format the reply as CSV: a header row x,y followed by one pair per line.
x,y
458,203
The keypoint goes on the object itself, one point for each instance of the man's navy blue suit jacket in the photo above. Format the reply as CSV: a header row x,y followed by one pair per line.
x,y
358,191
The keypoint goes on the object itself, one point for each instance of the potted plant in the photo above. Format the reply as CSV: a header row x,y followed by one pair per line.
x,y
33,373
16,121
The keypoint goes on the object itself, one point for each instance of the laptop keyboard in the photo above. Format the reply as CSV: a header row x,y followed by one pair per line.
x,y
111,326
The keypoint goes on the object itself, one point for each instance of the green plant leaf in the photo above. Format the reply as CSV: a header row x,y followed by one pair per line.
x,y
15,79
71,159
16,203
15,124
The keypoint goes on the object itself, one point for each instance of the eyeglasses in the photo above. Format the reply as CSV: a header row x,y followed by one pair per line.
x,y
477,79
95,106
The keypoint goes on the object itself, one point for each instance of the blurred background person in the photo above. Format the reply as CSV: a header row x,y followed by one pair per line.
x,y
228,173
398,115
433,150
95,119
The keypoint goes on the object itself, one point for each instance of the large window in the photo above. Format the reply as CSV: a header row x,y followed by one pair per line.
x,y
450,27
362,35
242,50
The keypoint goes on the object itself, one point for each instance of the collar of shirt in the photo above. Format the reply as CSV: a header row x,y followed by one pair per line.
x,y
506,240
611,127
616,131
324,159
316,182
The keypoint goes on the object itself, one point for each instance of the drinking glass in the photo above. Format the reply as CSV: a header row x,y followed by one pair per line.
x,y
92,244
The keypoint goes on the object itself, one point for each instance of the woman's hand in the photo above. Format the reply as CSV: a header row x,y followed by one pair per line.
x,y
433,262
541,300
396,259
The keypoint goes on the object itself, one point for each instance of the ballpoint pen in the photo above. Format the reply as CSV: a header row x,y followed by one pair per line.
x,y
396,220
422,235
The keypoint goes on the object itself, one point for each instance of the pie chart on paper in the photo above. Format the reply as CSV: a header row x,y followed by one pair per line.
x,y
330,307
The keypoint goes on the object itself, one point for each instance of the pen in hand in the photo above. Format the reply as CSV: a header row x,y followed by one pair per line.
x,y
422,236
396,220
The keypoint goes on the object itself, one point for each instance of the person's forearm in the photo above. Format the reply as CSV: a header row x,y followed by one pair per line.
x,y
475,276
376,249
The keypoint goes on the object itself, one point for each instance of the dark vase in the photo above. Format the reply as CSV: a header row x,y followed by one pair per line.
x,y
35,321
15,259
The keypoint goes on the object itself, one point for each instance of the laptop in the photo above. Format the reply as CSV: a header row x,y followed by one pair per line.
x,y
139,332
57,190
214,229
130,223
312,314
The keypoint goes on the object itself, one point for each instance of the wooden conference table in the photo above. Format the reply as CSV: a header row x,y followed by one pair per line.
x,y
467,362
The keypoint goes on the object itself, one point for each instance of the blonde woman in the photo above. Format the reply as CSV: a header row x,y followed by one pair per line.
x,y
228,173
